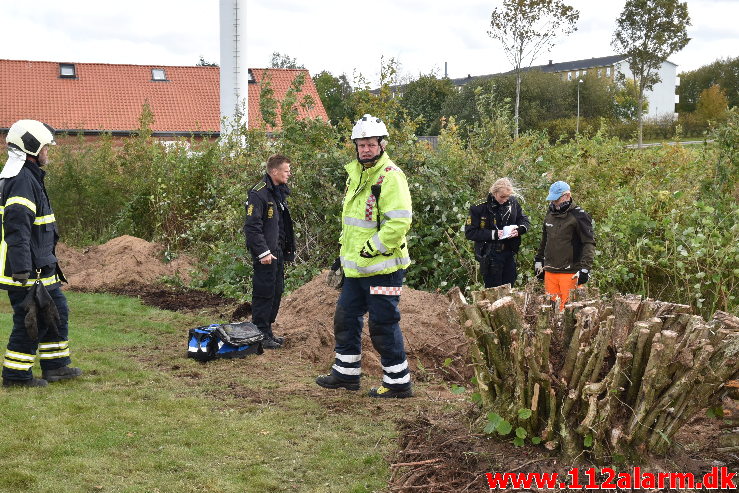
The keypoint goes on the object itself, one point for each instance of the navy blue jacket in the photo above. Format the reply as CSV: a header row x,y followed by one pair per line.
x,y
488,216
266,207
29,230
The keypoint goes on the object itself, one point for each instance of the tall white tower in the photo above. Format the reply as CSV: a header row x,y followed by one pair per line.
x,y
234,70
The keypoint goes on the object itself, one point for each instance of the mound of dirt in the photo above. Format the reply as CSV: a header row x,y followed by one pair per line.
x,y
119,262
432,333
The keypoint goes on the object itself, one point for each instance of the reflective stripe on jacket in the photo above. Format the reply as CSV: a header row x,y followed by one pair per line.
x,y
29,232
359,216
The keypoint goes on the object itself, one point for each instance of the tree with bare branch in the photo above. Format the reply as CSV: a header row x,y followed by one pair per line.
x,y
527,28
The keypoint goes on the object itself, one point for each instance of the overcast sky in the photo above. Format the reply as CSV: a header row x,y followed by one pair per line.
x,y
334,35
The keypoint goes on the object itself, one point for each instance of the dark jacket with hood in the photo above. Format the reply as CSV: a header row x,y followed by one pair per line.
x,y
268,227
567,241
489,216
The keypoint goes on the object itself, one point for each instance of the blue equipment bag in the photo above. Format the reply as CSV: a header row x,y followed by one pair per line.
x,y
202,343
224,341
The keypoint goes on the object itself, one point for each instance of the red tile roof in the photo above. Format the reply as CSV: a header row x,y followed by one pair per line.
x,y
110,97
280,80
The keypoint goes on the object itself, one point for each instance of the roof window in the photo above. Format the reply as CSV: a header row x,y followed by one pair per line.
x,y
158,74
67,71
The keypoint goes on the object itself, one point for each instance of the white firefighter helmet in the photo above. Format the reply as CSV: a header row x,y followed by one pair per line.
x,y
30,136
25,137
369,126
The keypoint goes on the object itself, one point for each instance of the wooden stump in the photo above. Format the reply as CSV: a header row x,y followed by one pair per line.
x,y
607,378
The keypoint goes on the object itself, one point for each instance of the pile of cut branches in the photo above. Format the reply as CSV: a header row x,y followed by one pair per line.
x,y
613,378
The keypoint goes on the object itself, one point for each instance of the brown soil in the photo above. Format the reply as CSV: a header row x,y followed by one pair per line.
x,y
120,261
178,298
438,454
431,333
442,450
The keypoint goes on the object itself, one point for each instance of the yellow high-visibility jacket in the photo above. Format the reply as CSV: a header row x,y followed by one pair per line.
x,y
359,229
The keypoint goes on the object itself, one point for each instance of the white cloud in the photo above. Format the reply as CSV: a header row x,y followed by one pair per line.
x,y
332,35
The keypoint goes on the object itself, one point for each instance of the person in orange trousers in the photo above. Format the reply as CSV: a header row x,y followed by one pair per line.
x,y
567,246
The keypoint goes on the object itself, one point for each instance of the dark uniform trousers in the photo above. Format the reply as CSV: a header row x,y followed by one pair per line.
x,y
268,284
500,269
53,350
384,329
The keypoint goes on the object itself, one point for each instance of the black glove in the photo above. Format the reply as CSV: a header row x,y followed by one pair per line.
x,y
21,277
335,277
39,306
539,269
366,249
583,277
47,309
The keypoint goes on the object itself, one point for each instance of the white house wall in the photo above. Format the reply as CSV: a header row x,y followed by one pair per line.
x,y
662,96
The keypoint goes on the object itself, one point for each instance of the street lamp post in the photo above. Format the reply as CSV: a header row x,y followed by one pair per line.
x,y
577,125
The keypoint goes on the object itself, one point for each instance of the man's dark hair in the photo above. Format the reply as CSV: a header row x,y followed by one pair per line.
x,y
275,161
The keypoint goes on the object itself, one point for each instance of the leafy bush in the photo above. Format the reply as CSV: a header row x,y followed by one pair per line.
x,y
665,217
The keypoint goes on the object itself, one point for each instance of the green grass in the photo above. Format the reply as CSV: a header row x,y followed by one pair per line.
x,y
135,423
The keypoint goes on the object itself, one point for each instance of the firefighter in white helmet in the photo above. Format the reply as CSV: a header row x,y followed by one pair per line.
x,y
375,219
30,273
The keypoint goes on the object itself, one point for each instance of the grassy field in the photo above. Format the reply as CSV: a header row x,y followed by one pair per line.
x,y
145,419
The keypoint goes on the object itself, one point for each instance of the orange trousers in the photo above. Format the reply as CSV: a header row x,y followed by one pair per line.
x,y
558,285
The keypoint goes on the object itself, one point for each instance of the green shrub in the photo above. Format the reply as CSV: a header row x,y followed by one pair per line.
x,y
665,217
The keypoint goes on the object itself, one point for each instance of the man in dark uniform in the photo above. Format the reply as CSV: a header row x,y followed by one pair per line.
x,y
27,255
269,239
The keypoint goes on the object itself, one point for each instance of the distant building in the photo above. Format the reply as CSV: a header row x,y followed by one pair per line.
x,y
94,98
662,98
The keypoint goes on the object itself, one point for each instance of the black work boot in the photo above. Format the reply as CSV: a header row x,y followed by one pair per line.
x,y
270,333
270,343
387,393
63,373
31,382
331,382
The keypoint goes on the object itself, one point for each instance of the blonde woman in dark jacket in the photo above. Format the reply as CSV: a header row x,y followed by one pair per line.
x,y
496,226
